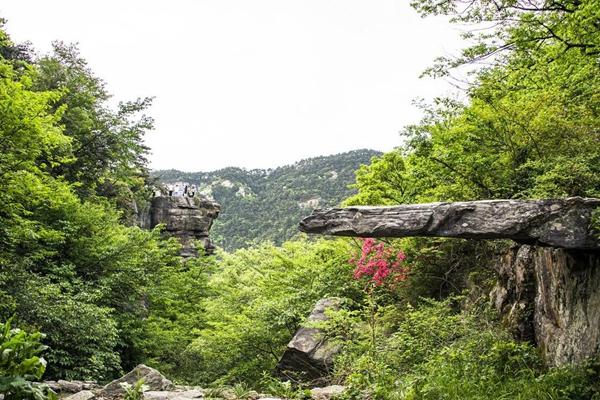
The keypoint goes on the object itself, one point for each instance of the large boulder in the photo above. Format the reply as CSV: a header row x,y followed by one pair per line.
x,y
514,293
308,356
562,223
153,380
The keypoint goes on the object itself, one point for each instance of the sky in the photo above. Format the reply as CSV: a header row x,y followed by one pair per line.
x,y
252,83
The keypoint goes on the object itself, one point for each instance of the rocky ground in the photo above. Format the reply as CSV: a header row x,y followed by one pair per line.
x,y
157,387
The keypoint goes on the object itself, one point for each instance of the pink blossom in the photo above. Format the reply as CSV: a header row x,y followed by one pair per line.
x,y
379,262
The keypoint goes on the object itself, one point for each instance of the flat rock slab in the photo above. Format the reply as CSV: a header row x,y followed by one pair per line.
x,y
564,223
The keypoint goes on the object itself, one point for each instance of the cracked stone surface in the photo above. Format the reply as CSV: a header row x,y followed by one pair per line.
x,y
564,223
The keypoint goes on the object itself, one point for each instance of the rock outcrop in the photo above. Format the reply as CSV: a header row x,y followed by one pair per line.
x,y
157,387
514,293
187,218
308,356
552,297
548,288
561,223
153,380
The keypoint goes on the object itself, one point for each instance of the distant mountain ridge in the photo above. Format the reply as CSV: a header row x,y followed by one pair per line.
x,y
266,204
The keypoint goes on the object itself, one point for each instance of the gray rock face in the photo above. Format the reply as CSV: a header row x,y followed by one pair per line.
x,y
308,356
558,223
70,386
552,297
187,218
515,290
567,305
152,379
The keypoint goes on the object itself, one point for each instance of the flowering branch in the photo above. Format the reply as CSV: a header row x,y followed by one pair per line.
x,y
379,262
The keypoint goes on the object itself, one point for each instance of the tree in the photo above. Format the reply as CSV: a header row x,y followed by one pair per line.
x,y
257,301
68,266
502,27
108,149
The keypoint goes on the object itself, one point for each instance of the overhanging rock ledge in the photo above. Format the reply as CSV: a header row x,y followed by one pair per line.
x,y
563,223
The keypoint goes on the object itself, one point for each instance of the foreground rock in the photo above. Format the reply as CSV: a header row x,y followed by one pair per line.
x,y
187,218
308,357
157,387
153,380
83,395
326,393
561,223
62,386
174,395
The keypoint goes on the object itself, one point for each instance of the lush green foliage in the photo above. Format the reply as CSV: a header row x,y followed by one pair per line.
x,y
174,317
68,266
260,205
518,25
437,351
528,129
135,391
21,365
107,148
258,299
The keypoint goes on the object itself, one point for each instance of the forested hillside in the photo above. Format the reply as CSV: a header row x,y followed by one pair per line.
x,y
260,205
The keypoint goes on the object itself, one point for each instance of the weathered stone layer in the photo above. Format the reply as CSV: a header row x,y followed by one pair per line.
x,y
550,296
564,223
187,218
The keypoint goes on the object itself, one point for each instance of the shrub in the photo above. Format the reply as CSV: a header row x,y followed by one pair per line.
x,y
21,365
439,352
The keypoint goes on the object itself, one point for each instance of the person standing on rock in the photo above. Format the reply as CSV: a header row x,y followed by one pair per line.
x,y
177,192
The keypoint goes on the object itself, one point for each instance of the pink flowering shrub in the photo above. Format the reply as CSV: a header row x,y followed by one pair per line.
x,y
379,263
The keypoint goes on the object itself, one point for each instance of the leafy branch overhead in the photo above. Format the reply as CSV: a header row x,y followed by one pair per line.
x,y
497,28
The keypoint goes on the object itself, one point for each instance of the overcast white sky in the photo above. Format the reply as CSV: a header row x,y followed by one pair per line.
x,y
252,83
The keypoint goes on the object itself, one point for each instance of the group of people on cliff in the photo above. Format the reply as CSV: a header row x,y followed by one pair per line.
x,y
178,189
